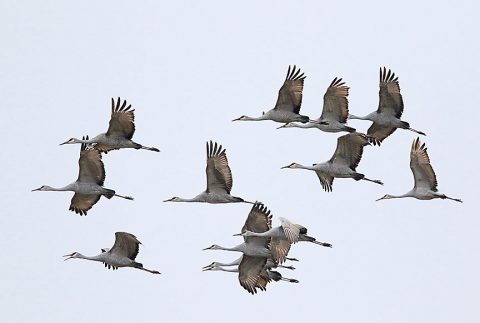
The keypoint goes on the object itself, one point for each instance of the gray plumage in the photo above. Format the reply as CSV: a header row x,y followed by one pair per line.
x,y
425,180
88,187
255,250
343,163
219,179
390,109
283,236
289,101
120,131
334,113
122,254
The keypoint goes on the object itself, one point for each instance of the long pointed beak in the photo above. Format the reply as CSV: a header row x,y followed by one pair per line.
x,y
208,248
169,200
68,257
63,143
288,166
380,199
284,126
236,119
207,268
238,234
37,189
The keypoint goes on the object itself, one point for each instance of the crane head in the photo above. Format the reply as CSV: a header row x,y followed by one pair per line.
x,y
212,247
71,256
70,141
242,118
385,197
174,199
287,125
43,188
292,165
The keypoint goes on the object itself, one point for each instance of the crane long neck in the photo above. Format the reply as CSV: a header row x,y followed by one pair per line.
x,y
305,167
240,248
351,116
233,270
100,257
233,263
86,141
260,234
260,118
69,187
304,125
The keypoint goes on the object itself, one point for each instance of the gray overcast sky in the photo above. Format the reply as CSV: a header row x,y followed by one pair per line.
x,y
189,68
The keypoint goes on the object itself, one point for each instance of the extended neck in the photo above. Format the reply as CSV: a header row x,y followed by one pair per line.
x,y
300,166
233,270
259,234
233,263
351,116
69,187
240,247
99,257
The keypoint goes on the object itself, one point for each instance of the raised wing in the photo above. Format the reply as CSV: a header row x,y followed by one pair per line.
x,y
292,231
326,181
122,120
377,133
290,94
126,244
349,149
391,102
249,272
258,220
279,249
335,102
421,168
81,203
91,169
219,175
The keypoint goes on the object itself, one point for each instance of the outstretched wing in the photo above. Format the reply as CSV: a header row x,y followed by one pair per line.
x,y
258,220
326,181
81,203
279,249
378,133
126,244
422,170
391,102
291,230
290,94
219,175
249,272
122,120
91,169
349,149
335,102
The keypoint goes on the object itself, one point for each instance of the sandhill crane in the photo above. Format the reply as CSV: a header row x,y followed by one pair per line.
x,y
122,254
255,249
289,101
120,131
283,236
425,187
343,163
89,186
219,179
390,108
334,113
270,263
265,277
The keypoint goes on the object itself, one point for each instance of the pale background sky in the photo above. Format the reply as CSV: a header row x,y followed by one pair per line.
x,y
189,68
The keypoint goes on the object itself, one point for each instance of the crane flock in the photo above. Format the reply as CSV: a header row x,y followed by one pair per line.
x,y
264,249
